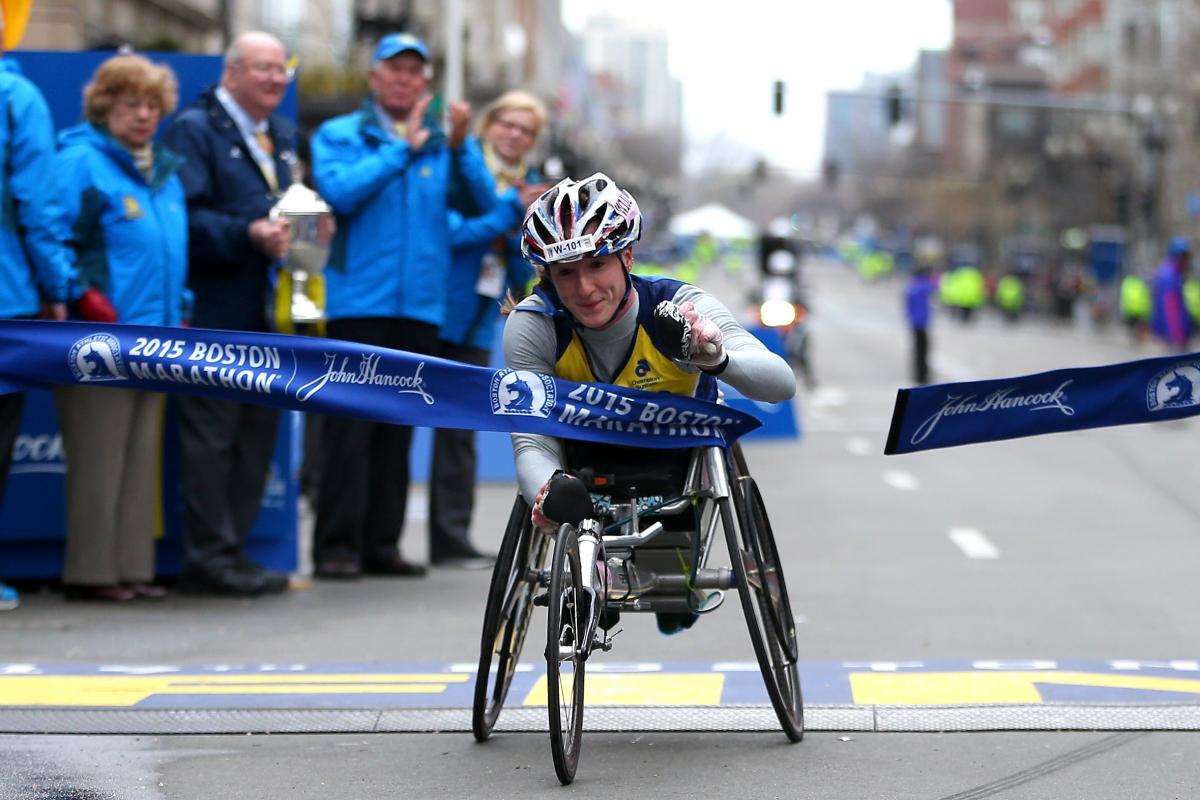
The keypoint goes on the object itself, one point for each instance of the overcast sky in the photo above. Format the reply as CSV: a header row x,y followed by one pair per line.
x,y
728,54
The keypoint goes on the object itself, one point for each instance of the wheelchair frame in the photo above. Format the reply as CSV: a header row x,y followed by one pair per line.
x,y
588,564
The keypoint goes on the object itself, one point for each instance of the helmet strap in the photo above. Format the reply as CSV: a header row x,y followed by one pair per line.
x,y
624,300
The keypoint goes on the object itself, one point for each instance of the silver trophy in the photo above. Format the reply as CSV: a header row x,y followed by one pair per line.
x,y
310,226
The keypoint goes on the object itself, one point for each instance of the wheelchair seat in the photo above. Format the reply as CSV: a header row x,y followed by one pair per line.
x,y
616,474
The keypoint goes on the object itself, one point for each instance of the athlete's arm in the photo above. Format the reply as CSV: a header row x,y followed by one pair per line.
x,y
529,344
752,369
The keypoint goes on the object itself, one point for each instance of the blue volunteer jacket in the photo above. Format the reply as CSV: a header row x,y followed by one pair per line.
x,y
225,192
474,234
390,256
32,257
129,235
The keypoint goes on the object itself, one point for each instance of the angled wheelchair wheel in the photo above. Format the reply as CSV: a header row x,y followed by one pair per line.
x,y
565,653
506,618
765,603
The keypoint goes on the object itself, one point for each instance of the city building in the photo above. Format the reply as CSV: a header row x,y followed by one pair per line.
x,y
187,25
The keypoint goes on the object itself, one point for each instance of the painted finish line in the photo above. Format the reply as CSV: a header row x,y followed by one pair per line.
x,y
415,685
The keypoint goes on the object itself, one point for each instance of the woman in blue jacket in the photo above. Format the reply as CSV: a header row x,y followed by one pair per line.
x,y
123,205
485,263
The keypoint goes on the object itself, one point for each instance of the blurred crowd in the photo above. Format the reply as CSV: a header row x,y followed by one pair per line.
x,y
1101,282
117,221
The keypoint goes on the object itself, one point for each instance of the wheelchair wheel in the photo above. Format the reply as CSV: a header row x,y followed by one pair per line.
x,y
506,618
765,603
565,653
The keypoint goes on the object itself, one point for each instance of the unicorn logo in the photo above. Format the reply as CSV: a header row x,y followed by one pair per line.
x,y
1175,387
522,393
1181,391
97,358
520,397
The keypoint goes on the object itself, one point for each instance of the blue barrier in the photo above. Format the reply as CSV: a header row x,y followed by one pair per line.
x,y
779,420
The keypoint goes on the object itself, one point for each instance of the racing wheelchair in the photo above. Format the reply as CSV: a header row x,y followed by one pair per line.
x,y
638,540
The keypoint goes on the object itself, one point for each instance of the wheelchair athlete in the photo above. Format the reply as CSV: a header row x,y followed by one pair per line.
x,y
590,320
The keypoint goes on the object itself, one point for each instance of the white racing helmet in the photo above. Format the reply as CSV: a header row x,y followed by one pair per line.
x,y
574,219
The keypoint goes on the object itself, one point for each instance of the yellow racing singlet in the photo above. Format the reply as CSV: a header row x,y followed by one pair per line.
x,y
646,368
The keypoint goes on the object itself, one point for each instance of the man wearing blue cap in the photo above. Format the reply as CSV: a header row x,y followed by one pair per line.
x,y
386,171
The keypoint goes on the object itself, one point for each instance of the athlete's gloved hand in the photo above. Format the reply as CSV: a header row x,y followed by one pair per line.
x,y
563,498
699,337
538,517
93,306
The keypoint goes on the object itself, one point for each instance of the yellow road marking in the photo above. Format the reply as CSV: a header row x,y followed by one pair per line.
x,y
128,690
955,688
636,689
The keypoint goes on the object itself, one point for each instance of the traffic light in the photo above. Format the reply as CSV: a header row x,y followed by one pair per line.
x,y
894,105
830,172
777,255
778,98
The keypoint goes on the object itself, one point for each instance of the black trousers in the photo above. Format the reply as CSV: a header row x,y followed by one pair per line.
x,y
921,356
452,474
225,450
363,492
11,406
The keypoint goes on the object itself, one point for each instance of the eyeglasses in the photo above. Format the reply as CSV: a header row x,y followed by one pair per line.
x,y
524,130
136,103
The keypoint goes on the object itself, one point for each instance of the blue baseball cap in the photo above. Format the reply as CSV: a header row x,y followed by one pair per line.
x,y
396,43
1178,246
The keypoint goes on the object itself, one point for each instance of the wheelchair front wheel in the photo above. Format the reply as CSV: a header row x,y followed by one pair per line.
x,y
765,601
506,618
565,653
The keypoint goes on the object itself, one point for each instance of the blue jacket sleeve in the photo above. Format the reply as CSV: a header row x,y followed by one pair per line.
x,y
474,231
518,274
214,236
470,164
77,209
346,175
31,163
518,271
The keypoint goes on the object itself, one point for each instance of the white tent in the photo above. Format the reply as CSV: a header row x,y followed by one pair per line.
x,y
714,219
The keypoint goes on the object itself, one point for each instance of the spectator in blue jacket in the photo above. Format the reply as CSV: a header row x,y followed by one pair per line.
x,y
35,268
386,171
239,155
121,199
486,263
1169,318
918,296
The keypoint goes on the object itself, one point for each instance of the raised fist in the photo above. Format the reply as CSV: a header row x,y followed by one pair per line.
x,y
693,337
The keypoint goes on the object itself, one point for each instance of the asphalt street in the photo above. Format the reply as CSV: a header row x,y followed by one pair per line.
x,y
1034,554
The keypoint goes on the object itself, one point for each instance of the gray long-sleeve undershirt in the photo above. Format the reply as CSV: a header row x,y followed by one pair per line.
x,y
529,343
